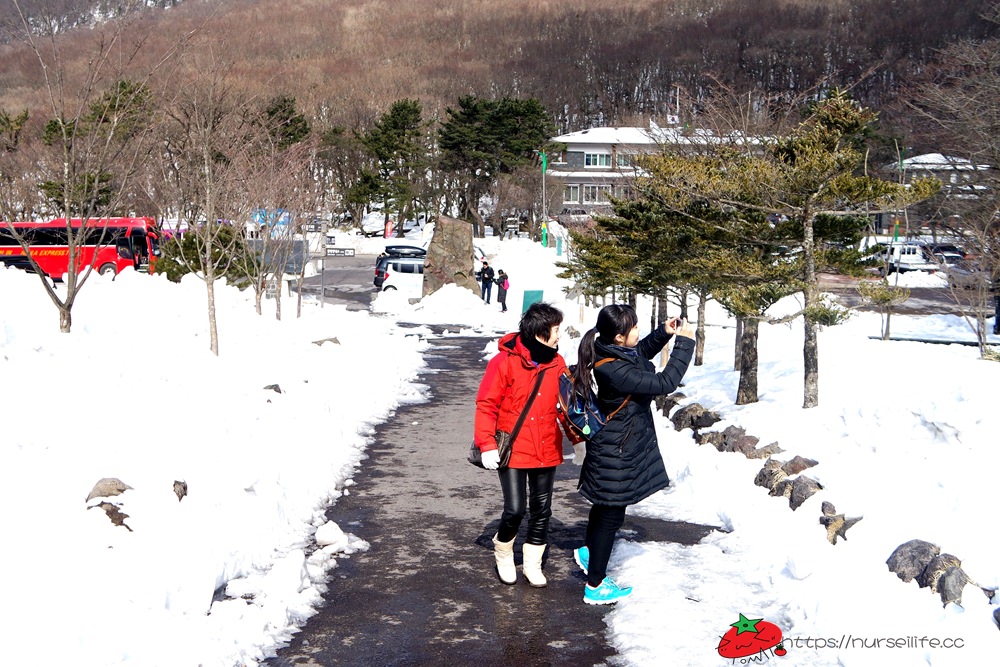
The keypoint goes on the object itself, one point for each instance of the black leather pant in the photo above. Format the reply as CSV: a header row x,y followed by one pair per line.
x,y
515,500
602,526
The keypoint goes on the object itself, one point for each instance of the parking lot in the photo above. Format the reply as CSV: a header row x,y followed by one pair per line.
x,y
345,280
922,301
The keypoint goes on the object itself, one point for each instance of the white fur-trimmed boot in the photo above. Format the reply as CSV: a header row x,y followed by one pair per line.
x,y
532,567
504,552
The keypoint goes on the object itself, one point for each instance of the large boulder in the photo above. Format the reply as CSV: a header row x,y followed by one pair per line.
x,y
695,417
910,558
449,256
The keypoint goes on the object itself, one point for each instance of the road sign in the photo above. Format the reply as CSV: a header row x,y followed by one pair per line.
x,y
339,252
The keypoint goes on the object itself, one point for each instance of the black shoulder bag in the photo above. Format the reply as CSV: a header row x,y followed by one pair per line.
x,y
505,440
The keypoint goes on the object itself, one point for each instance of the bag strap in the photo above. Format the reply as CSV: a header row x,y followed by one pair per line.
x,y
627,398
527,406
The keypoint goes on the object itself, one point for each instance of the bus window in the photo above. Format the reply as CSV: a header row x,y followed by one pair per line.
x,y
125,248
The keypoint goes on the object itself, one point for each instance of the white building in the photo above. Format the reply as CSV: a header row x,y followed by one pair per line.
x,y
599,163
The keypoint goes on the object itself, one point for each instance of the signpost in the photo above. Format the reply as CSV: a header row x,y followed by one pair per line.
x,y
339,252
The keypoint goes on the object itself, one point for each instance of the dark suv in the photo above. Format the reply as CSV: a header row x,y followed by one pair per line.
x,y
398,259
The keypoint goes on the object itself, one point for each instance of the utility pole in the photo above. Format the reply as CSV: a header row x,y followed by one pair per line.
x,y
545,164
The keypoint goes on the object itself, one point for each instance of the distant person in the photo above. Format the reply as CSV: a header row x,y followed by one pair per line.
x,y
995,288
528,364
486,278
623,464
502,285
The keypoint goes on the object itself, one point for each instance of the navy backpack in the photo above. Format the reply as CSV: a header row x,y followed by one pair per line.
x,y
584,417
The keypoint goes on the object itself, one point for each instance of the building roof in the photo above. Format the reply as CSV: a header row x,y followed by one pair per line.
x,y
645,137
936,162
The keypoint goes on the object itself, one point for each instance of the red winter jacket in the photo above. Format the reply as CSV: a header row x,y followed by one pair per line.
x,y
503,392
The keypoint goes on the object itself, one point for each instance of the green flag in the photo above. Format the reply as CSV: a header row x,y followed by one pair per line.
x,y
545,160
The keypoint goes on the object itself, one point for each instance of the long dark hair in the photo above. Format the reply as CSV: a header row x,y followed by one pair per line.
x,y
618,318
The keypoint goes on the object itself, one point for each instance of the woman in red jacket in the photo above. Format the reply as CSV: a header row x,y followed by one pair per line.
x,y
510,378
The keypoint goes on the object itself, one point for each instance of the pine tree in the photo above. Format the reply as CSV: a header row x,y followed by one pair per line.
x,y
808,186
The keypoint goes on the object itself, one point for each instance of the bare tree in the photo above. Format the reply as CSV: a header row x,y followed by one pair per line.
x,y
283,199
99,126
208,142
960,104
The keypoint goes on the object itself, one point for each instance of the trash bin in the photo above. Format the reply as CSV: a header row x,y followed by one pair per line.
x,y
530,297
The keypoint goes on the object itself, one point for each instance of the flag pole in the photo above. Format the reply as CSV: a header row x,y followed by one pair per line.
x,y
545,215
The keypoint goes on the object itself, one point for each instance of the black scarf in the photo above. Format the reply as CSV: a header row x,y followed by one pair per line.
x,y
539,351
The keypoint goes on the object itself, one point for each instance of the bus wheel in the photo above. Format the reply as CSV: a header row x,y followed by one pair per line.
x,y
106,269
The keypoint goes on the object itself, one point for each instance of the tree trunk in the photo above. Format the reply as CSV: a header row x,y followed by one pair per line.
x,y
213,329
699,333
747,391
810,355
810,346
738,347
277,296
65,319
298,292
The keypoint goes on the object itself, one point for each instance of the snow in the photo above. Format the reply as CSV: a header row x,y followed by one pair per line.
x,y
904,435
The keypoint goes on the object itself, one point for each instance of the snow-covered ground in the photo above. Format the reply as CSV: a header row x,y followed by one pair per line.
x,y
904,436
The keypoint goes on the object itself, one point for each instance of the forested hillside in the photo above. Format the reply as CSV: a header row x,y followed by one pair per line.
x,y
589,62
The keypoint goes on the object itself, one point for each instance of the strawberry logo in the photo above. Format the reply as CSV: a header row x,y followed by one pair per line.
x,y
750,637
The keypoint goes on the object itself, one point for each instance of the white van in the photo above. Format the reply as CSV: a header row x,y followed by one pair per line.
x,y
905,256
403,274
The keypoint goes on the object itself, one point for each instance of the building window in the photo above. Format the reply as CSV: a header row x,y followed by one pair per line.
x,y
596,194
597,159
571,194
625,160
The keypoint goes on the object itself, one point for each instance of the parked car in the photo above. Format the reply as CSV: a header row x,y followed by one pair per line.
x,y
966,274
947,258
402,251
944,248
400,271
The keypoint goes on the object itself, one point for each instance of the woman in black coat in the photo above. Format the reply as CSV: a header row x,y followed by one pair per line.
x,y
623,463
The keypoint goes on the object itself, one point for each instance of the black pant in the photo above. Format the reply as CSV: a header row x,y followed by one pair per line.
x,y
602,526
487,290
513,481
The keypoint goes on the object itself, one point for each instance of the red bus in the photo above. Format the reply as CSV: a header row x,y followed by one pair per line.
x,y
109,245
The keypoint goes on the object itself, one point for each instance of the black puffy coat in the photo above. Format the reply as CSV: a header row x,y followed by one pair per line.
x,y
623,463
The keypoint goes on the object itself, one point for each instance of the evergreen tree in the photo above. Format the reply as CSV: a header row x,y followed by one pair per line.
x,y
229,255
482,139
285,125
398,144
808,185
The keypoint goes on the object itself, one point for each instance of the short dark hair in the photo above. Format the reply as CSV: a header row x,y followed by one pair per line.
x,y
539,319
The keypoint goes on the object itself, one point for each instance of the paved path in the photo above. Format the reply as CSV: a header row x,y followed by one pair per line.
x,y
426,592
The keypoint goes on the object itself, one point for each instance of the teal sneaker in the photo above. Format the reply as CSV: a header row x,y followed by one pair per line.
x,y
607,593
582,558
